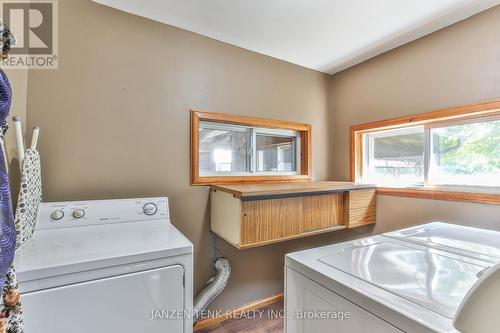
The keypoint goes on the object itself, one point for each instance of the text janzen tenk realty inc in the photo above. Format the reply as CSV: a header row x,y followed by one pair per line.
x,y
161,314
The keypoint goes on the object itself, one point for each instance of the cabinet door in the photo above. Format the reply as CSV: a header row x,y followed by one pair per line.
x,y
362,208
306,302
138,302
273,220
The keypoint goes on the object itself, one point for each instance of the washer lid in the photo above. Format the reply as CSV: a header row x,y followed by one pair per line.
x,y
55,252
464,240
424,276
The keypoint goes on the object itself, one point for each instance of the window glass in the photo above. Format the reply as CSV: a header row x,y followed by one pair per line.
x,y
466,154
224,150
395,156
228,150
275,153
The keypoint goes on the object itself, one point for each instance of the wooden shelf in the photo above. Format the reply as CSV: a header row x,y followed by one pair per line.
x,y
269,190
258,214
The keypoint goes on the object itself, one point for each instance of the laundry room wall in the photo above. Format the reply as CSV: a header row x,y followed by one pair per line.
x,y
114,119
458,65
114,122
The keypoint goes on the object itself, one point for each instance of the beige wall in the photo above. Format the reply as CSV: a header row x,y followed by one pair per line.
x,y
115,121
455,66
115,118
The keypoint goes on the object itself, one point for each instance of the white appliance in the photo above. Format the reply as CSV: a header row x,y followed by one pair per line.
x,y
412,280
106,266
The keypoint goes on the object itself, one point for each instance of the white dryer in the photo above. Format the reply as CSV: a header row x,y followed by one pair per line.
x,y
106,266
412,280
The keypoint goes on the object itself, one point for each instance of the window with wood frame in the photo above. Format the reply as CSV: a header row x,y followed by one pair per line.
x,y
451,154
235,149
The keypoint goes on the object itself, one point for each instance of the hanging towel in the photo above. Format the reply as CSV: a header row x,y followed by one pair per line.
x,y
11,312
7,227
30,197
12,320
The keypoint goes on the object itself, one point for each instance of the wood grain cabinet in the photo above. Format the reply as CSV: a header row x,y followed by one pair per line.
x,y
254,215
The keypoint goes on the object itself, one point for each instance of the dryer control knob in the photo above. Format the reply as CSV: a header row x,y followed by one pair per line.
x,y
150,209
57,215
78,213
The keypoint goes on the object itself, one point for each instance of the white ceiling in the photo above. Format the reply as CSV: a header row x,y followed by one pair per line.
x,y
325,35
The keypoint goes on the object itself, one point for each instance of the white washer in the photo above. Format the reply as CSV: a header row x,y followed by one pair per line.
x,y
412,280
106,266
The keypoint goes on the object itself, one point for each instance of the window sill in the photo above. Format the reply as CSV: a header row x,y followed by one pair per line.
x,y
440,194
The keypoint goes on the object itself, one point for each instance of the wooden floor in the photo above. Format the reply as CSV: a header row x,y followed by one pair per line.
x,y
269,322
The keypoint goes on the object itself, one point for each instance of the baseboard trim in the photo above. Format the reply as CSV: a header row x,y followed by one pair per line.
x,y
255,305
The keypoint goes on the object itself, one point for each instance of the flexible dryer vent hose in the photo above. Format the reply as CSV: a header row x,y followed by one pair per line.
x,y
213,288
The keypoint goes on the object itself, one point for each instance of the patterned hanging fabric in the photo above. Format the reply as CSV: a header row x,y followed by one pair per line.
x,y
30,197
7,227
10,315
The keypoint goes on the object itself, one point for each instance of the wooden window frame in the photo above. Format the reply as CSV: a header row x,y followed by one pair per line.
x,y
429,192
305,131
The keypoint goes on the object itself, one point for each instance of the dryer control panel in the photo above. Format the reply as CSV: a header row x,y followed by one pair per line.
x,y
69,214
